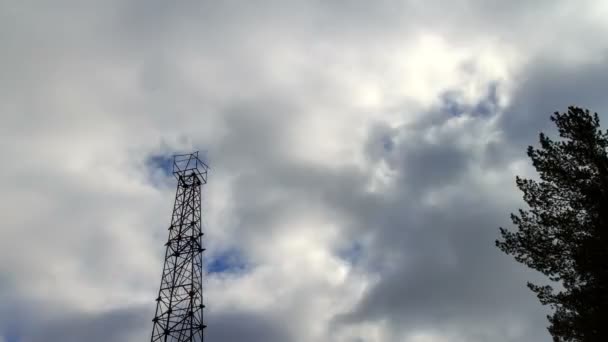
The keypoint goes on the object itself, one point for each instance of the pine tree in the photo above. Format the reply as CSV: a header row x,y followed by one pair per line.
x,y
564,232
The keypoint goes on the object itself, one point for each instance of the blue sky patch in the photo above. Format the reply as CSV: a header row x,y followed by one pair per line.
x,y
161,162
164,162
489,103
352,253
451,104
229,261
12,337
387,143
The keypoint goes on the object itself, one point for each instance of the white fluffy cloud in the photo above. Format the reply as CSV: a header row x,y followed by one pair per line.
x,y
362,158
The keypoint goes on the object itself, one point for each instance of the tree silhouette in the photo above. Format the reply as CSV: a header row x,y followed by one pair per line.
x,y
564,232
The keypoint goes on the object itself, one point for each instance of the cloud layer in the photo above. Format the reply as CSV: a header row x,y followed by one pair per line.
x,y
363,156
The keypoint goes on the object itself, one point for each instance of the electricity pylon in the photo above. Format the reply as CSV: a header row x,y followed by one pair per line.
x,y
179,308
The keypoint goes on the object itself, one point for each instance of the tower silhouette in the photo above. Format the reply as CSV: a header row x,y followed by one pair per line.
x,y
179,308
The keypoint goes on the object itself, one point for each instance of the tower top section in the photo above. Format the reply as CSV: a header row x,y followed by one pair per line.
x,y
189,164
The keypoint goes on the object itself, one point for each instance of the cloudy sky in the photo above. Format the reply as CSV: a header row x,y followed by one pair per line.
x,y
363,156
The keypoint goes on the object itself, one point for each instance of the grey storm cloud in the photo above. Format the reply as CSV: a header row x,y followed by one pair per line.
x,y
362,158
548,87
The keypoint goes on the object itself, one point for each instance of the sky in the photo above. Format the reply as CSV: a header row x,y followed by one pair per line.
x,y
363,155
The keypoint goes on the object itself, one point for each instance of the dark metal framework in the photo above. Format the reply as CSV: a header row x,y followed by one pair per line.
x,y
179,309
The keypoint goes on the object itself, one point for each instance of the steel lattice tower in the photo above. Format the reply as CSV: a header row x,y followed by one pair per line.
x,y
179,309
